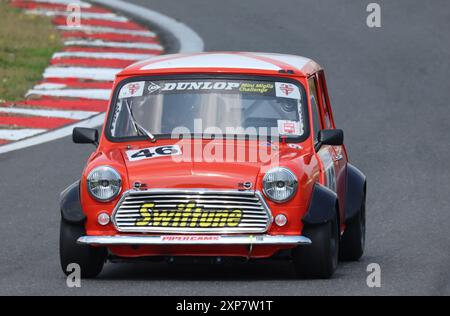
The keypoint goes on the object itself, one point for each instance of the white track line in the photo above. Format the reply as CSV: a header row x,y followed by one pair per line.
x,y
100,29
49,86
122,56
92,94
53,135
74,115
99,74
100,43
189,40
18,134
84,15
82,4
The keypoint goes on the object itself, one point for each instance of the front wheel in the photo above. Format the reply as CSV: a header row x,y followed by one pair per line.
x,y
90,259
320,259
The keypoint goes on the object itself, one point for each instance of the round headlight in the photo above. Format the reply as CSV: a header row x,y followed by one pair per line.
x,y
280,185
104,183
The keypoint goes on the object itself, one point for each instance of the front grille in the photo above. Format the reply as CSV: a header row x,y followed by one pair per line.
x,y
192,211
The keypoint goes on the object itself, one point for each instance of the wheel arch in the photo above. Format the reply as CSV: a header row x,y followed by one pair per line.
x,y
70,203
356,188
323,206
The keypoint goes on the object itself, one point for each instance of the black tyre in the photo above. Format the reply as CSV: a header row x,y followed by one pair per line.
x,y
320,260
354,239
90,259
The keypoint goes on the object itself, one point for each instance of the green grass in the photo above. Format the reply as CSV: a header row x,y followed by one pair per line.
x,y
27,43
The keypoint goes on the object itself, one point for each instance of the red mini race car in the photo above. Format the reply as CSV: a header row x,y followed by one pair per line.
x,y
217,155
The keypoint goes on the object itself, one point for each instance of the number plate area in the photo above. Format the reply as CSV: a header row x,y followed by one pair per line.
x,y
153,152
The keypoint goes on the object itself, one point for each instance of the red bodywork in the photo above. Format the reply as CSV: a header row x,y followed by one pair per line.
x,y
164,173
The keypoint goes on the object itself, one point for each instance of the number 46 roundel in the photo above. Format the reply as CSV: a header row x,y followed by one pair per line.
x,y
153,152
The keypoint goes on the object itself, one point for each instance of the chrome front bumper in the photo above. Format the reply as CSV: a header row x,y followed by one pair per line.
x,y
193,240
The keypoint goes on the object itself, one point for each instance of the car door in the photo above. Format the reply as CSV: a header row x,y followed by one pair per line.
x,y
339,155
326,153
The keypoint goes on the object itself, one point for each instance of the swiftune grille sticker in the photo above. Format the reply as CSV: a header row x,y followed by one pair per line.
x,y
187,215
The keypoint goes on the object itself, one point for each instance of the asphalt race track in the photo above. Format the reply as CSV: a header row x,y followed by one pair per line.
x,y
390,91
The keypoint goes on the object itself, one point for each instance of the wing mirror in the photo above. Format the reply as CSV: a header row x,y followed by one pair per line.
x,y
332,137
83,135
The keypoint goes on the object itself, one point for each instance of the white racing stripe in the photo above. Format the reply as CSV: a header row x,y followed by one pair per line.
x,y
100,43
74,115
84,15
18,134
123,56
212,60
82,4
99,74
92,94
100,29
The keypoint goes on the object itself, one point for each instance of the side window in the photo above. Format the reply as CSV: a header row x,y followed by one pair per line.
x,y
314,107
325,105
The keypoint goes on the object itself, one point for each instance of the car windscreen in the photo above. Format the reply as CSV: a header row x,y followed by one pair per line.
x,y
209,106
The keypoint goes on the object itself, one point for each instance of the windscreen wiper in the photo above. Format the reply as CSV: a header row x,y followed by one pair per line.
x,y
138,127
